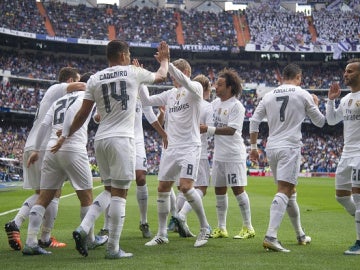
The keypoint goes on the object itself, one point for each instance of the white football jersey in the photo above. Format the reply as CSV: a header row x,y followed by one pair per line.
x,y
115,90
229,113
61,113
285,108
53,93
183,105
149,115
348,111
206,118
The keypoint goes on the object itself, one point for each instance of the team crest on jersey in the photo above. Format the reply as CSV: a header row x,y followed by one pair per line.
x,y
179,95
350,102
357,103
225,112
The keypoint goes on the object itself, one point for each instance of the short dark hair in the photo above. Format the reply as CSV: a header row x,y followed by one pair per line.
x,y
232,79
115,47
68,72
85,77
291,71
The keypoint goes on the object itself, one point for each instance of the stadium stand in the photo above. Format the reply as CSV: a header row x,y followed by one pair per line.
x,y
28,66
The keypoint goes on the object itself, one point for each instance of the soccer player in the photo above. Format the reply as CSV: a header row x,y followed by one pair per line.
x,y
68,81
347,180
142,192
115,90
202,181
285,109
229,160
71,162
180,161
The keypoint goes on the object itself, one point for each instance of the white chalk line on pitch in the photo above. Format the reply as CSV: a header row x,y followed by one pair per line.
x,y
62,197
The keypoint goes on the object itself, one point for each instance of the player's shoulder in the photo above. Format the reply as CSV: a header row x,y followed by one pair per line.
x,y
56,87
55,91
216,101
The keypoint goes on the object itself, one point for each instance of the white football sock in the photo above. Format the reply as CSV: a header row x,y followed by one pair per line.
x,y
49,219
35,220
163,207
195,201
185,210
356,198
142,194
294,215
24,211
116,222
100,203
277,211
172,202
244,204
221,210
348,203
180,200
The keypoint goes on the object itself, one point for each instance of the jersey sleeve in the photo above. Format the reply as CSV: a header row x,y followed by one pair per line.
x,y
154,100
143,75
236,117
312,110
90,86
192,86
333,115
149,114
257,117
44,128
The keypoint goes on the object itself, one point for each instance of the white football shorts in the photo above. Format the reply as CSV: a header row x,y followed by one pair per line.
x,y
64,165
229,174
348,173
285,164
179,163
203,176
116,158
32,175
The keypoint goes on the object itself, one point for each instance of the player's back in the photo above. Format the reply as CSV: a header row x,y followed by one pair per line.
x,y
115,91
68,104
52,94
285,109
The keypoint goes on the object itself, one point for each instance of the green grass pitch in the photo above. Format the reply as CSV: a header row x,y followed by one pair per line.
x,y
331,228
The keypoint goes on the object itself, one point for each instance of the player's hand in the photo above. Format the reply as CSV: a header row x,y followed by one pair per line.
x,y
165,140
316,99
58,145
34,156
203,128
136,63
334,91
162,109
58,132
163,52
254,155
96,118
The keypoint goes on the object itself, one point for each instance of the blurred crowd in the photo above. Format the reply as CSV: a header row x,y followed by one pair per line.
x,y
320,152
268,24
26,95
